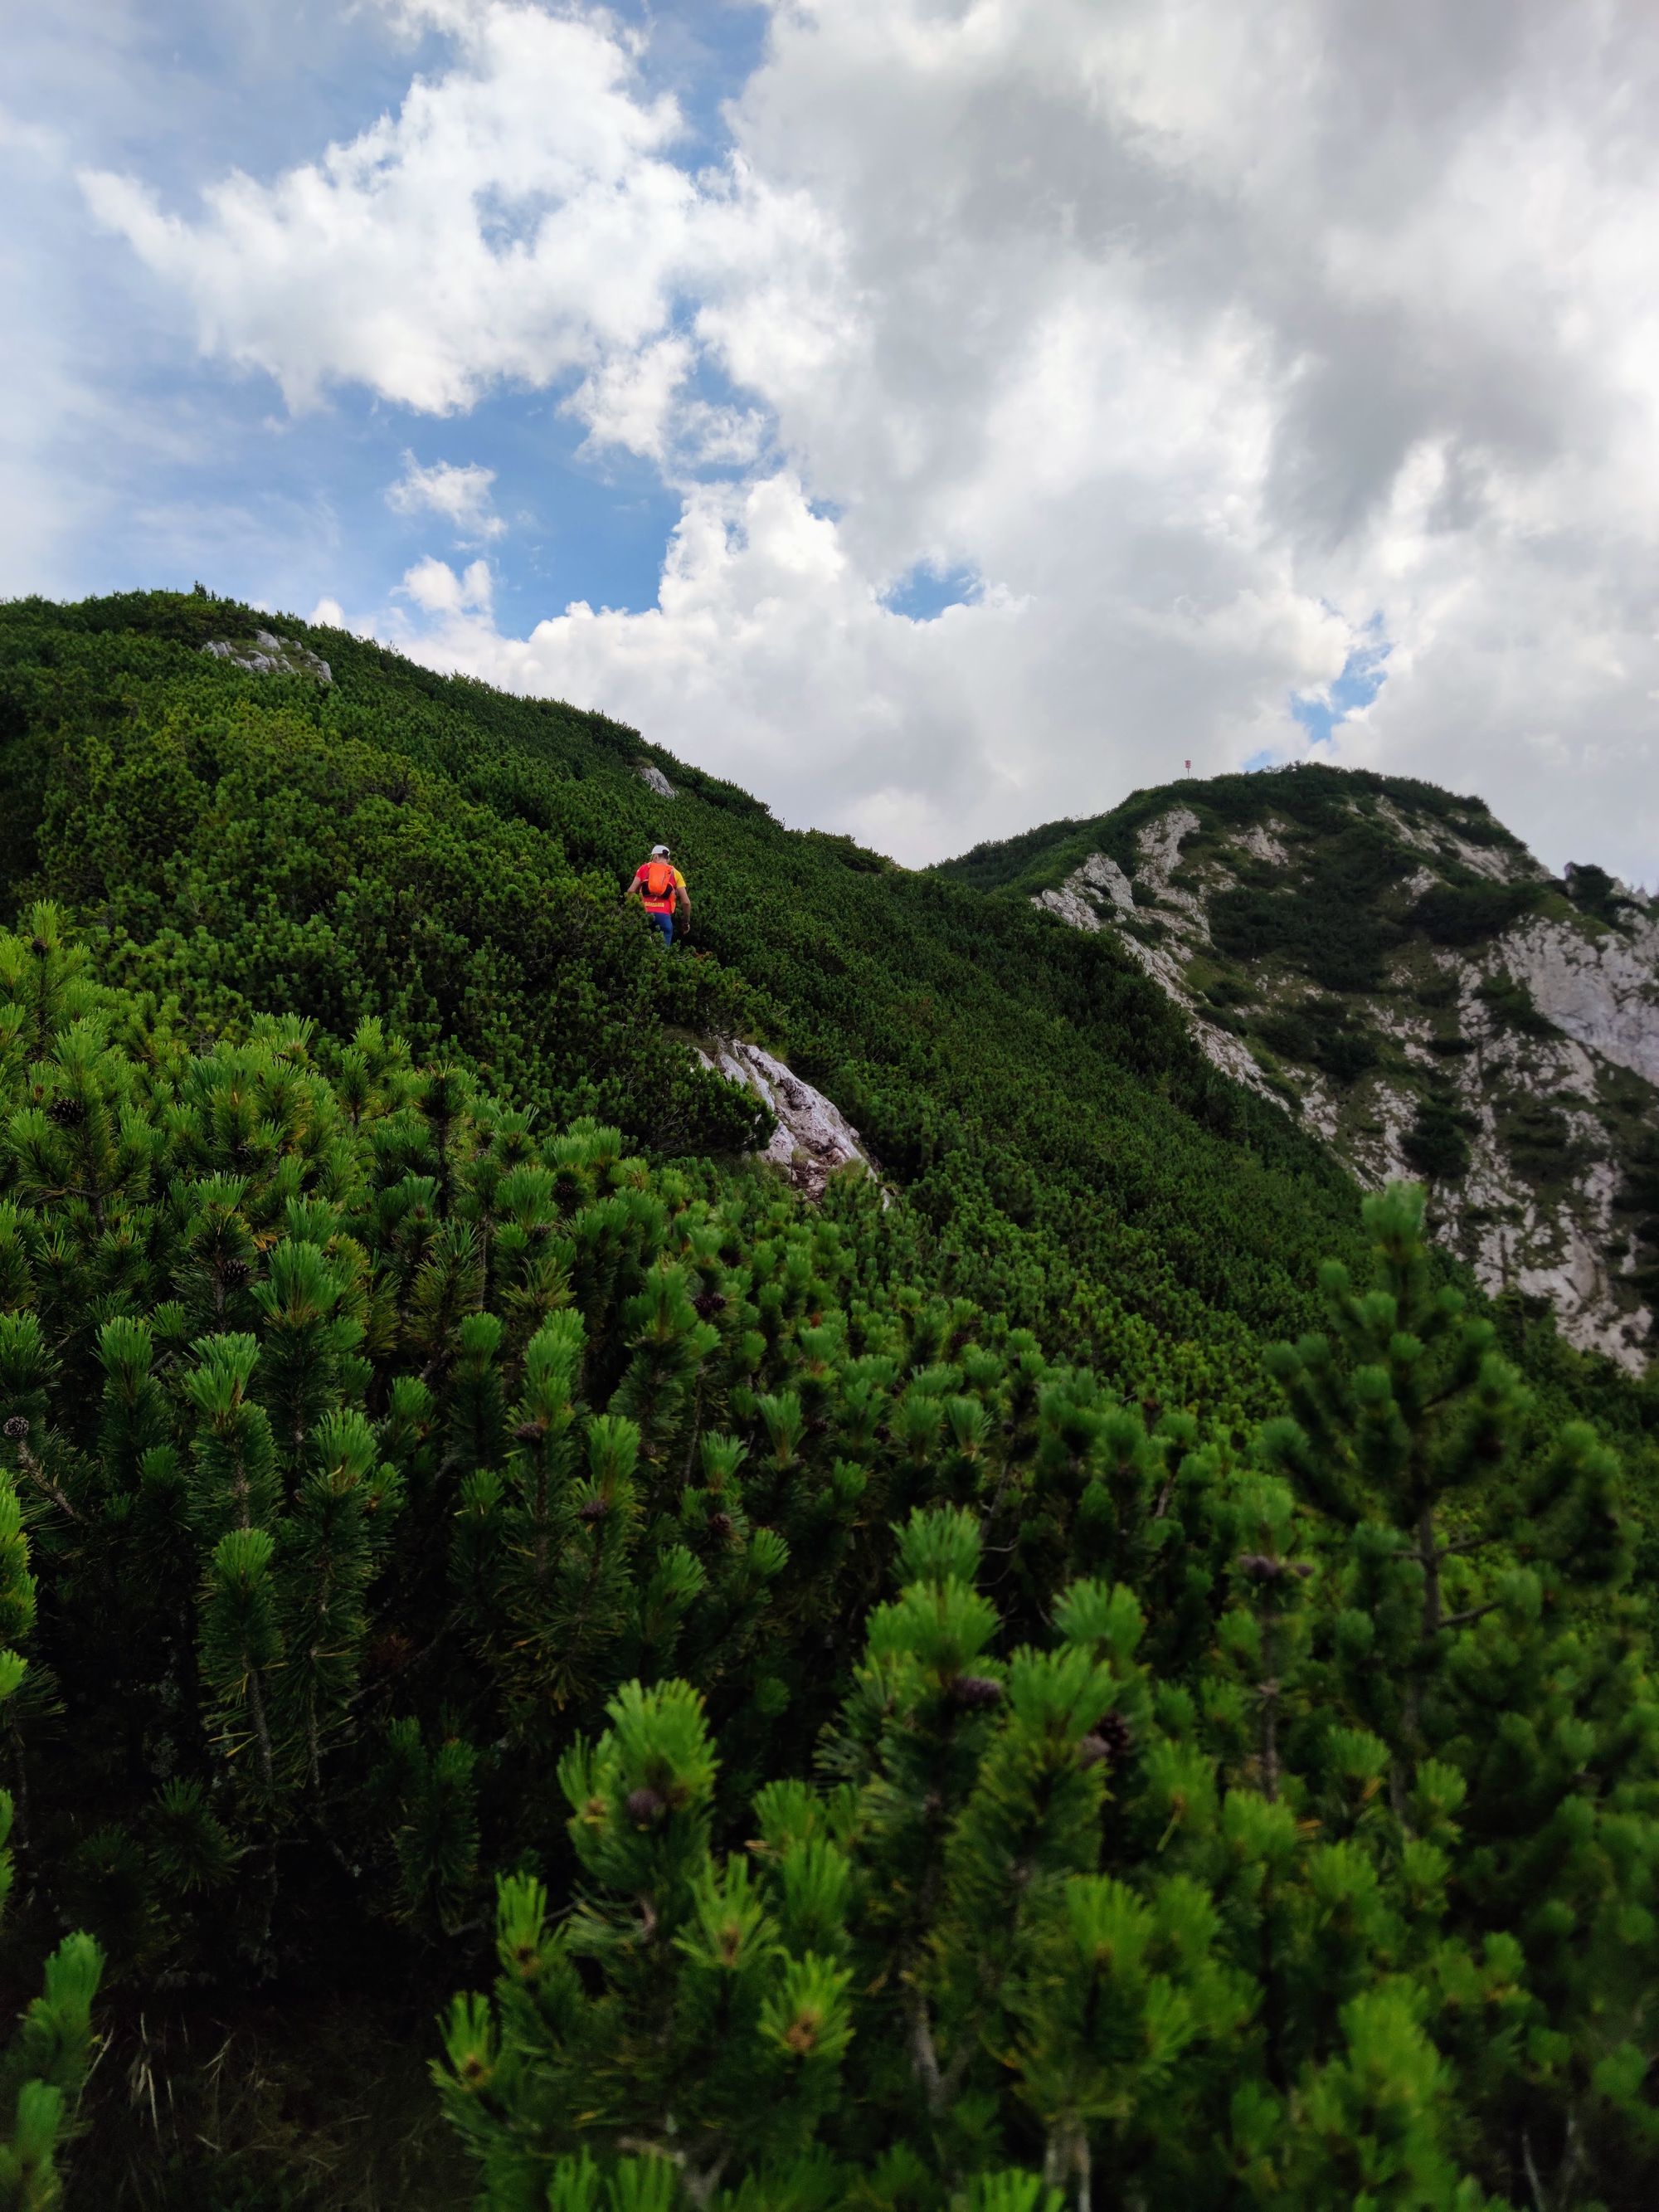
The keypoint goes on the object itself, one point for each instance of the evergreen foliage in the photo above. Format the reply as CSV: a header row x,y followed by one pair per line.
x,y
919,1703
43,2068
1462,913
1597,893
1318,799
1368,940
1438,1143
432,854
1335,1887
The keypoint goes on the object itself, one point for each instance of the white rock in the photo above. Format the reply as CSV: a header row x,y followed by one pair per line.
x,y
1073,906
1160,842
1075,903
813,1137
1602,989
1262,840
1495,862
271,656
653,778
1499,864
1408,832
1103,875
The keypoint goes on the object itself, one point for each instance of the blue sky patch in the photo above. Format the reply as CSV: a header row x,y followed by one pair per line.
x,y
1362,679
923,594
207,472
703,51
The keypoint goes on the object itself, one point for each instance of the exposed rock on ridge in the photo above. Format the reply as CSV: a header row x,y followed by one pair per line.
x,y
271,655
1602,991
813,1138
1506,1048
1076,902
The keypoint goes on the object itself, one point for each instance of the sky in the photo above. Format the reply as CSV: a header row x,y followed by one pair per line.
x,y
939,415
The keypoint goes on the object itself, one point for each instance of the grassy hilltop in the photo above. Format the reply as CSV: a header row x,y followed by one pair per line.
x,y
1081,1673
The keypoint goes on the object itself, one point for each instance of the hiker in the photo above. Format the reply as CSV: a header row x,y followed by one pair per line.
x,y
660,888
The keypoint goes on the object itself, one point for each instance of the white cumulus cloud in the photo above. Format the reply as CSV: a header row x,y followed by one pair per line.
x,y
460,493
1223,344
436,589
518,217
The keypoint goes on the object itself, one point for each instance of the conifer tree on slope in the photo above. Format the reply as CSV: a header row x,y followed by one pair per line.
x,y
1327,1974
524,1417
1481,1640
44,2065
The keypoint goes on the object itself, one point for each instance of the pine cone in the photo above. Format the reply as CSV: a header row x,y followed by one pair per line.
x,y
530,1433
1110,1744
594,1510
708,1302
234,1274
720,1525
17,1428
68,1113
38,947
644,1806
977,1692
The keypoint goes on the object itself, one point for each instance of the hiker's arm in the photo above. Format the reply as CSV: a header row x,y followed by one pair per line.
x,y
684,898
634,890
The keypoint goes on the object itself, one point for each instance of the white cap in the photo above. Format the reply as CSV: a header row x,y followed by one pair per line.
x,y
660,852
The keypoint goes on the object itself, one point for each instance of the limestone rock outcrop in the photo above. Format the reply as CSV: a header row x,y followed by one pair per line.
x,y
1601,990
271,655
813,1138
1537,1036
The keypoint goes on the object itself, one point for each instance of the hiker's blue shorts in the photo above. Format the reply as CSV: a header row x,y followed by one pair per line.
x,y
666,923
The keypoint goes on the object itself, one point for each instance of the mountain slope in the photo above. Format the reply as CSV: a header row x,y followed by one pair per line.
x,y
1393,964
434,854
447,857
905,1690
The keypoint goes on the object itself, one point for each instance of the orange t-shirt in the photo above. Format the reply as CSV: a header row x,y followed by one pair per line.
x,y
642,878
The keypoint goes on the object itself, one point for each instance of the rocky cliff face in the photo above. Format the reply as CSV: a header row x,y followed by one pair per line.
x,y
1400,973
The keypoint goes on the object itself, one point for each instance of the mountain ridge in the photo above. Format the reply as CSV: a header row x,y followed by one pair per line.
x,y
1389,960
429,850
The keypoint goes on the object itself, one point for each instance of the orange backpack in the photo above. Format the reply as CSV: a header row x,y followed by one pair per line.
x,y
659,880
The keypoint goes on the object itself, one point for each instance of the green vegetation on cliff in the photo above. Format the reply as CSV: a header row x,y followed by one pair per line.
x,y
1317,798
1372,950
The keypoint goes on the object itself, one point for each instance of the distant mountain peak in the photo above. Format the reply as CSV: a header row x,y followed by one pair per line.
x,y
1395,967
